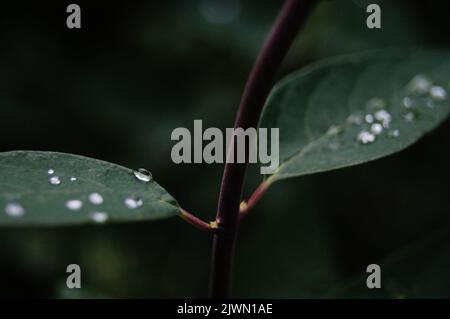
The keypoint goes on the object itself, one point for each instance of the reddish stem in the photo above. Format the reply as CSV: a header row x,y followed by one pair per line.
x,y
291,18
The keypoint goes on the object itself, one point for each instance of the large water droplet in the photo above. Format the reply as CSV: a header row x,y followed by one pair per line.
x,y
14,209
384,117
96,198
420,84
376,128
133,202
54,180
74,204
365,137
99,217
50,172
438,93
143,175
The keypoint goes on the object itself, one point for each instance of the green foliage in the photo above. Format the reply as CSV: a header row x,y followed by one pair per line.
x,y
321,110
25,183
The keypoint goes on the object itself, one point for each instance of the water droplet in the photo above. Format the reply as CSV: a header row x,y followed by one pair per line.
x,y
334,130
376,103
409,117
366,137
384,117
14,209
54,180
430,103
420,84
99,217
74,204
133,202
96,198
355,119
334,146
50,172
407,102
369,118
394,133
143,175
73,179
438,93
376,128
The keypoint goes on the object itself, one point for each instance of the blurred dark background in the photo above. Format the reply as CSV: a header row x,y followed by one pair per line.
x,y
117,87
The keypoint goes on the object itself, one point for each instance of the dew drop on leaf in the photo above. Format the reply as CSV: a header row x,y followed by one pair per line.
x,y
73,179
74,204
409,117
133,202
54,180
384,117
365,137
96,198
99,217
394,133
50,172
407,102
420,84
369,118
14,209
438,93
143,175
376,128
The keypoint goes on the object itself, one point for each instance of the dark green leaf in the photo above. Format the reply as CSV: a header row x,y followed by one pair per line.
x,y
317,107
28,198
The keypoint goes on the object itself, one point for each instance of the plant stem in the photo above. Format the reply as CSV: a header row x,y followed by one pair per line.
x,y
291,18
246,207
210,227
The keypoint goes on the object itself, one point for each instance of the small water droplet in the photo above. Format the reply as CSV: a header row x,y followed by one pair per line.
x,y
376,128
333,130
54,180
50,172
73,179
369,118
99,217
96,198
384,117
376,103
438,93
14,209
133,202
74,204
366,137
334,146
420,84
407,102
394,133
409,117
355,119
143,175
430,103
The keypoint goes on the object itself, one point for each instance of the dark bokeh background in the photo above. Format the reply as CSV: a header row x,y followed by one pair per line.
x,y
115,90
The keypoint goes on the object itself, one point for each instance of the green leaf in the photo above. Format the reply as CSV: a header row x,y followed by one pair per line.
x,y
316,108
28,198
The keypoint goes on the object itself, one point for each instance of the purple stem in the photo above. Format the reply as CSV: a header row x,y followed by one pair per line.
x,y
292,16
